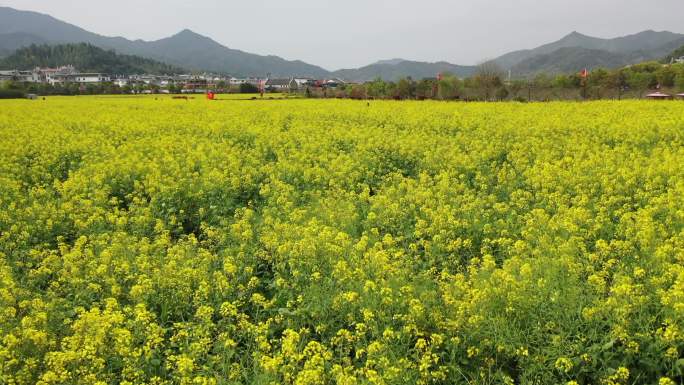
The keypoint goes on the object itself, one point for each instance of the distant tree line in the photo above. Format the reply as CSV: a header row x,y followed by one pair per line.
x,y
490,83
19,89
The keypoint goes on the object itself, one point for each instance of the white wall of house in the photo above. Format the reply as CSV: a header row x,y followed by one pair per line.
x,y
90,78
302,81
56,79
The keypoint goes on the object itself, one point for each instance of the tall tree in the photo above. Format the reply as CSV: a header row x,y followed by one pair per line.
x,y
449,87
488,77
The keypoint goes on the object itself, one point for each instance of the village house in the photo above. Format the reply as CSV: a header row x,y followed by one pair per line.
x,y
304,82
188,83
216,79
90,78
57,78
233,81
56,75
196,84
29,76
121,81
334,83
9,75
278,84
20,76
152,80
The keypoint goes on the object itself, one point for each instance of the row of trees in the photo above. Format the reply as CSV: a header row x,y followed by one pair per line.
x,y
490,83
63,89
20,89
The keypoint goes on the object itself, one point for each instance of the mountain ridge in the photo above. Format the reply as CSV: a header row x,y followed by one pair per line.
x,y
652,44
186,48
197,52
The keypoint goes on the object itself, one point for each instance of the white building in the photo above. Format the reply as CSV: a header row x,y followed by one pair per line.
x,y
54,79
90,78
56,75
233,81
152,80
29,76
303,82
121,82
8,75
21,76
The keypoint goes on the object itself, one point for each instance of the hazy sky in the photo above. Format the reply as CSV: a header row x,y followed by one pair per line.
x,y
352,33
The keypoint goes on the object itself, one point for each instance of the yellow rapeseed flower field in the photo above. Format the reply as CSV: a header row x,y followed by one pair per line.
x,y
318,242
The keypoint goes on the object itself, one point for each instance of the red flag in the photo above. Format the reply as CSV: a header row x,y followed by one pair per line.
x,y
584,73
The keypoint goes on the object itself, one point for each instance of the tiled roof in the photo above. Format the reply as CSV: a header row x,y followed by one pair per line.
x,y
278,82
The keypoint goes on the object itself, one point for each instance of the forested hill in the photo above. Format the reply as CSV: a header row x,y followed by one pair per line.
x,y
86,58
676,54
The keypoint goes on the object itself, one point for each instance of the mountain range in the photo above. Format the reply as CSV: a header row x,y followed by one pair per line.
x,y
577,51
195,52
185,49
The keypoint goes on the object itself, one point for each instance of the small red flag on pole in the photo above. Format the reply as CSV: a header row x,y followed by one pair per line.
x,y
584,73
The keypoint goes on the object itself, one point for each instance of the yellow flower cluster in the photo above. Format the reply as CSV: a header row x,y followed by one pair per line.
x,y
151,241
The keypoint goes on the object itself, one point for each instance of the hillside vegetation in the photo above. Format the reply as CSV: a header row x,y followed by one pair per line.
x,y
86,58
176,242
676,54
569,60
11,42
